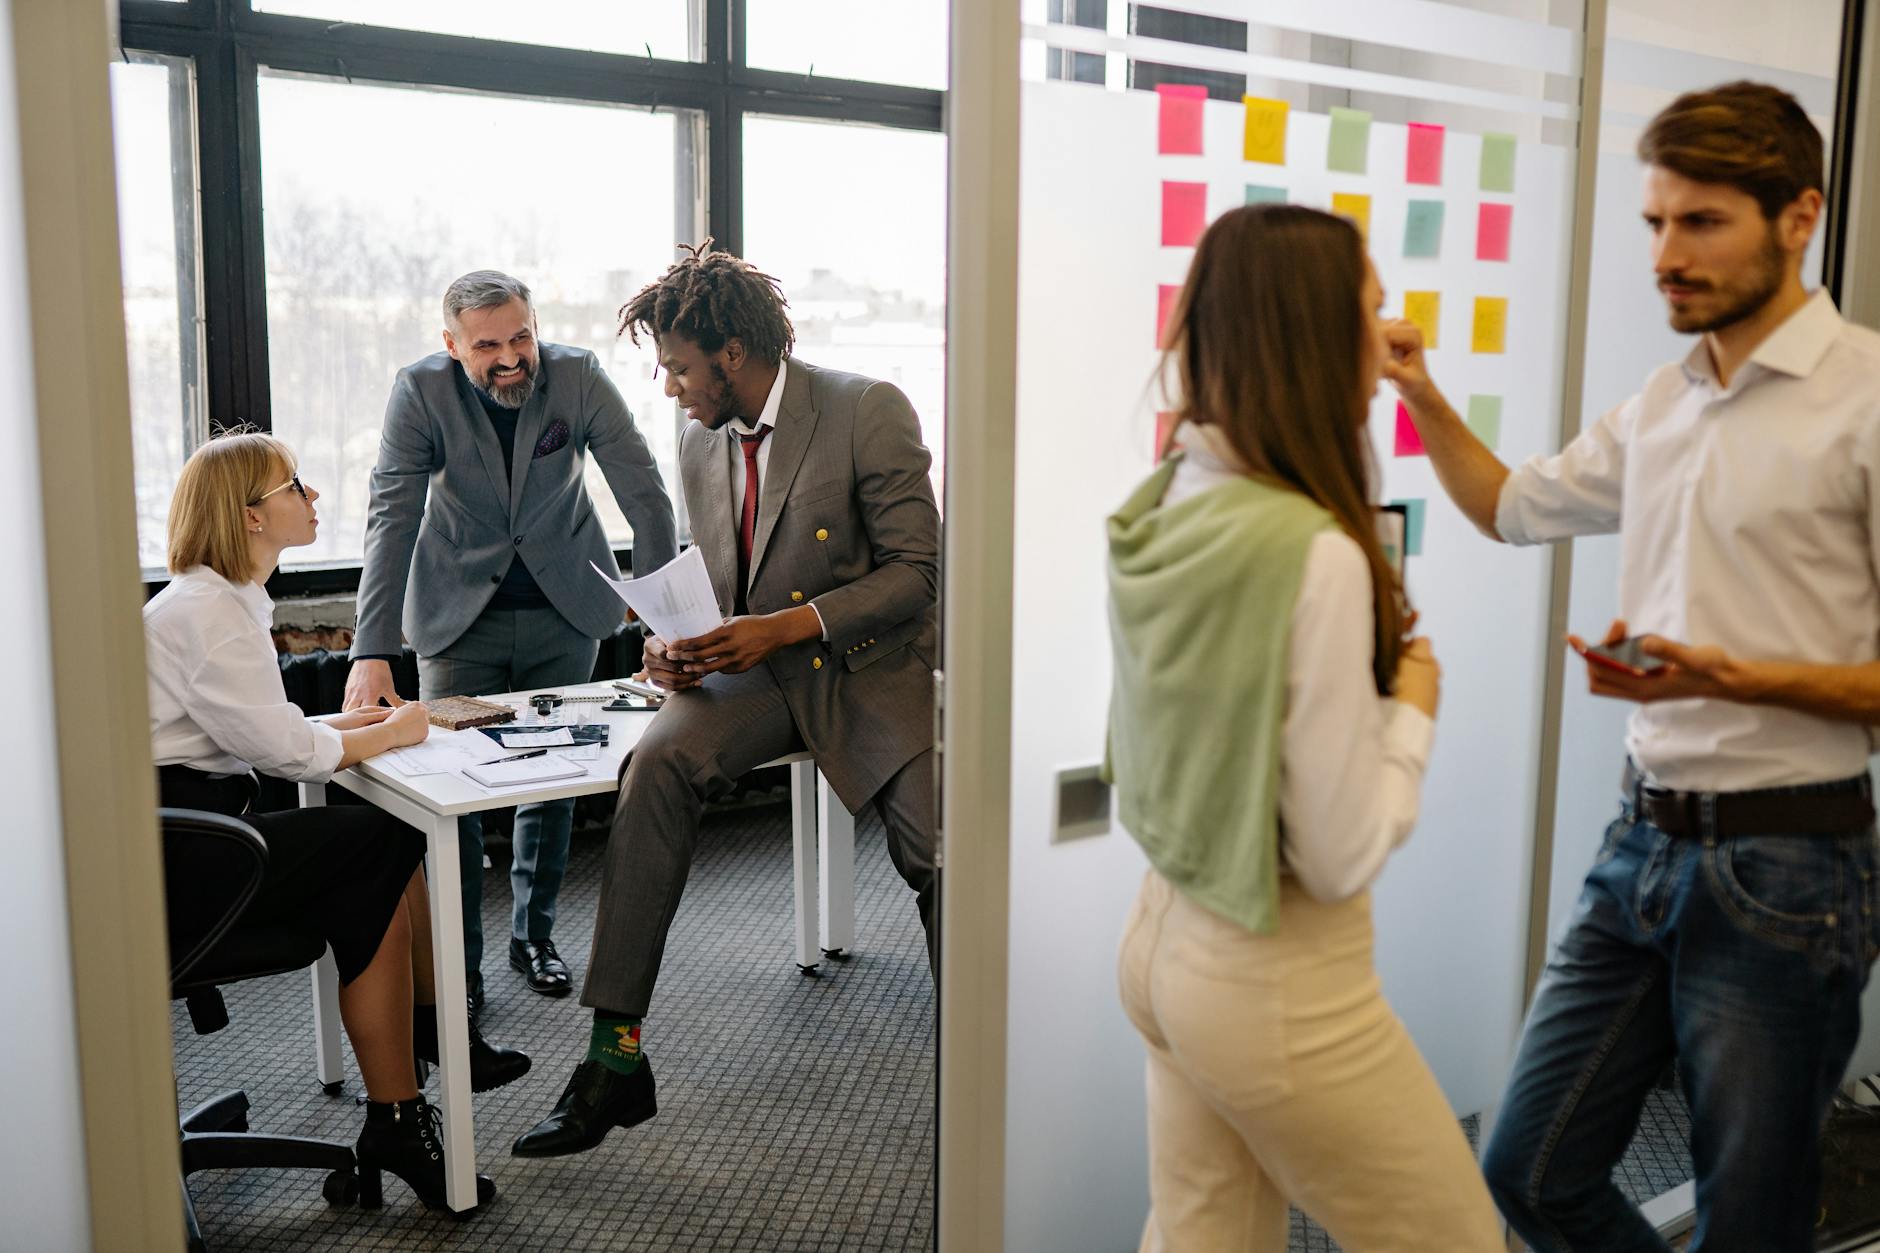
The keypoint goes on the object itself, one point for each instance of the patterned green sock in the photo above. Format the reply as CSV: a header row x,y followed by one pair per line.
x,y
615,1042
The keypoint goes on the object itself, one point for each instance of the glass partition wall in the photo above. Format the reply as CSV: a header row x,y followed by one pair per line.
x,y
1448,133
1502,219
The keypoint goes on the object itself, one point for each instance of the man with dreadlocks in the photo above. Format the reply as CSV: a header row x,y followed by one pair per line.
x,y
809,497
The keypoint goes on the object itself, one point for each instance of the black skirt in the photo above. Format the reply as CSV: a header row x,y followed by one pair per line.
x,y
336,870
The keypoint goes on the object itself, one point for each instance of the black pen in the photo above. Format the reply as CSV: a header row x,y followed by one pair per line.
x,y
534,752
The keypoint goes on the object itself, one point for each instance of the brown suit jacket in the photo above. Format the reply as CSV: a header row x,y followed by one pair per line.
x,y
846,521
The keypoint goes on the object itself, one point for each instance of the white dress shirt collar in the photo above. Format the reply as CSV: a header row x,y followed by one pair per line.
x,y
1794,348
773,404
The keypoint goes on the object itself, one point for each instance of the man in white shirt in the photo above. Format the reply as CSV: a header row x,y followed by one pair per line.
x,y
1729,920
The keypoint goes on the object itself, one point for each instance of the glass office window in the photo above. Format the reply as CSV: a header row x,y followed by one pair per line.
x,y
670,30
153,119
864,267
584,203
903,43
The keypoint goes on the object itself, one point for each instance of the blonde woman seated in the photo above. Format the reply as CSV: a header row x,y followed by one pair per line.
x,y
218,712
1269,727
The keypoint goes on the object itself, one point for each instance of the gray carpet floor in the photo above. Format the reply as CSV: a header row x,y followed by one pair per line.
x,y
794,1113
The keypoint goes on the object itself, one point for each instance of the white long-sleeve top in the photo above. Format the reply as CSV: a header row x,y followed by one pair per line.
x,y
216,699
1351,762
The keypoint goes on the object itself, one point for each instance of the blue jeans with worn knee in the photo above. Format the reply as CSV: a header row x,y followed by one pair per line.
x,y
1742,957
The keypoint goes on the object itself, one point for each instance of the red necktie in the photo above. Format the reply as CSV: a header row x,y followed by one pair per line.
x,y
747,517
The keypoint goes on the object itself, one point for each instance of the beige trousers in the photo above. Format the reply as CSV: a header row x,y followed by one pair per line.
x,y
1277,1073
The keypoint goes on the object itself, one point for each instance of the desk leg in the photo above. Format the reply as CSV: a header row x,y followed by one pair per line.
x,y
803,836
453,1022
835,831
326,1051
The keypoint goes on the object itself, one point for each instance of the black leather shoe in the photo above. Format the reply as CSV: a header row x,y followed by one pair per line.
x,y
491,1065
548,973
406,1138
476,997
595,1101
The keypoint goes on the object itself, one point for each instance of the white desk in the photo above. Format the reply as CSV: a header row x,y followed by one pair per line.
x,y
823,835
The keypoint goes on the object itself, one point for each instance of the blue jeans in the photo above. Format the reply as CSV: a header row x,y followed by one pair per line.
x,y
1742,957
509,651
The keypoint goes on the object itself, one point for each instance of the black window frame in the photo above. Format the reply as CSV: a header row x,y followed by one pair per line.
x,y
229,42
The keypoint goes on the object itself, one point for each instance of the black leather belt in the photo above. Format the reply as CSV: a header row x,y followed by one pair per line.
x,y
1834,808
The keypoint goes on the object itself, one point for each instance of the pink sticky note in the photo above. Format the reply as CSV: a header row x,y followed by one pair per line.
x,y
1164,423
1492,226
1409,443
1424,162
1184,213
1178,127
1165,294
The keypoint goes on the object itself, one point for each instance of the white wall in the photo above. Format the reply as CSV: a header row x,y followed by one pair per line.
x,y
43,1195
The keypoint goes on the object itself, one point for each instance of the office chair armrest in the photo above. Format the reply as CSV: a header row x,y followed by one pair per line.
x,y
181,826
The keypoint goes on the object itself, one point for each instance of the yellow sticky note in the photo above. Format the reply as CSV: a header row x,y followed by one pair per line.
x,y
1424,308
1350,204
1266,130
1491,324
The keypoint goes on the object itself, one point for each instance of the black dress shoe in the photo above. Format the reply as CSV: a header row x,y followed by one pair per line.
x,y
595,1101
548,973
491,1065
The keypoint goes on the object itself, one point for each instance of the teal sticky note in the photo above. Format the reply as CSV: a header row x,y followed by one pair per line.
x,y
1423,229
1256,194
1413,526
1350,148
1497,162
1485,419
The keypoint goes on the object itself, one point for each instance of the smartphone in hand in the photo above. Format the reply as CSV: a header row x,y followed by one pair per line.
x,y
1626,657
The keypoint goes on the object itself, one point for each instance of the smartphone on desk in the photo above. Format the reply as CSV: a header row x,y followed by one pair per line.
x,y
1626,657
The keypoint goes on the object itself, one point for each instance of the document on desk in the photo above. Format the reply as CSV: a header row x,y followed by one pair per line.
x,y
676,600
443,752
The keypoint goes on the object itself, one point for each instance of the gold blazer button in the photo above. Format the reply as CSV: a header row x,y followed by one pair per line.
x,y
796,597
822,533
815,663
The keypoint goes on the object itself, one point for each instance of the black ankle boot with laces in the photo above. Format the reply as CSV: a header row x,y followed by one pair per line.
x,y
407,1139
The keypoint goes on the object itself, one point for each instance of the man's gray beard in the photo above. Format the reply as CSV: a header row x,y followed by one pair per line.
x,y
512,395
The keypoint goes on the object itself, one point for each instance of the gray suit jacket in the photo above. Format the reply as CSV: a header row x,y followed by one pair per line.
x,y
846,521
443,524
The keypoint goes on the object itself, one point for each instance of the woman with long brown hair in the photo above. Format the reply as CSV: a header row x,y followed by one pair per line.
x,y
1269,728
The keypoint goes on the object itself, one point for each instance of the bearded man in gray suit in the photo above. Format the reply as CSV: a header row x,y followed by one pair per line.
x,y
478,541
809,497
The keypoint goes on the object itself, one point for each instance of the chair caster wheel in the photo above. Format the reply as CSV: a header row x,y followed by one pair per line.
x,y
810,972
237,1123
341,1189
334,1088
836,954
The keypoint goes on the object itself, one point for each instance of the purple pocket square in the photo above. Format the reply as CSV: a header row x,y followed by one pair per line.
x,y
553,439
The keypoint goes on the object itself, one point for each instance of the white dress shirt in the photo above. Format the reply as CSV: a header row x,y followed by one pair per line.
x,y
1748,518
216,700
1351,761
773,404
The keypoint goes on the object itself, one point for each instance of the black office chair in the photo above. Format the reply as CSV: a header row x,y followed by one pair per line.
x,y
232,856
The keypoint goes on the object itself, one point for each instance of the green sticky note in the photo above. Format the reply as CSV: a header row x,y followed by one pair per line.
x,y
1413,527
1350,149
1256,194
1497,162
1423,229
1485,419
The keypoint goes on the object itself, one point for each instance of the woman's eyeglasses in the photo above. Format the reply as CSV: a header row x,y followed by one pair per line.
x,y
293,482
